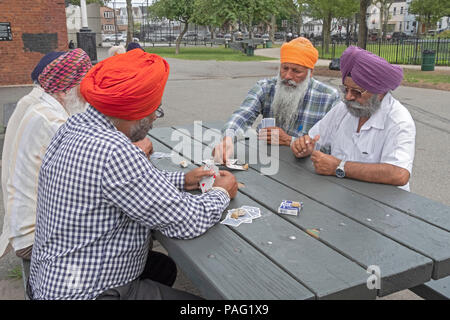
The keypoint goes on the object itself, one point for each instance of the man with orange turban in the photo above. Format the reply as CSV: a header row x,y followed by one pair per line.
x,y
99,196
293,98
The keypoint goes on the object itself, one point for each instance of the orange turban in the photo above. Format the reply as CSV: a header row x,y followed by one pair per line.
x,y
127,86
299,51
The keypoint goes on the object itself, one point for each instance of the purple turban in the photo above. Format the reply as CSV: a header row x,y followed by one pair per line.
x,y
370,71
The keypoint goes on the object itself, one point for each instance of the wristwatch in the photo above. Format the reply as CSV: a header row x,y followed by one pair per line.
x,y
340,172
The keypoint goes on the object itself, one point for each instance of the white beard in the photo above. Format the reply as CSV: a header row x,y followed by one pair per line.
x,y
74,103
286,102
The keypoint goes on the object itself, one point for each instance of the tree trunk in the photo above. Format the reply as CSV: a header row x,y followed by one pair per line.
x,y
362,34
130,22
382,29
180,37
272,28
300,23
326,32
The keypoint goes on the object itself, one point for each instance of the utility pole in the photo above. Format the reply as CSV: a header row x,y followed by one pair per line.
x,y
86,38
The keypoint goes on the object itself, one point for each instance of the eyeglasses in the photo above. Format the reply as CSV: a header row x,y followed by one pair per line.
x,y
355,92
159,112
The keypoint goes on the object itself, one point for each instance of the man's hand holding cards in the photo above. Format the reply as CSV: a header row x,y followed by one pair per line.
x,y
207,182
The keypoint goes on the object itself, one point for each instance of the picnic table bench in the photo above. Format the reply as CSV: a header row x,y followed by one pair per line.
x,y
357,226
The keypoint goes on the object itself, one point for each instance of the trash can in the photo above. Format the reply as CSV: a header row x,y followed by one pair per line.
x,y
269,44
428,57
250,50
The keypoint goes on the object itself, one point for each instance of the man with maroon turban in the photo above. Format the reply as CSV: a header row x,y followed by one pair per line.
x,y
100,197
371,134
293,98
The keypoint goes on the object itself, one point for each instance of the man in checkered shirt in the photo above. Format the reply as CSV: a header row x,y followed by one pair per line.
x,y
99,196
293,98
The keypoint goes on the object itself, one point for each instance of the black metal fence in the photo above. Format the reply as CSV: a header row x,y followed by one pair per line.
x,y
399,51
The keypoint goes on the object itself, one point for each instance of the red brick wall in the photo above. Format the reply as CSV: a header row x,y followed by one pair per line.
x,y
37,27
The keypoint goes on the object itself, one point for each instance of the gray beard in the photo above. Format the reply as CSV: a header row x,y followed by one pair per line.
x,y
363,111
140,130
73,103
286,101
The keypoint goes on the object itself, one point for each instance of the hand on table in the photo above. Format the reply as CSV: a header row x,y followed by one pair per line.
x,y
304,146
275,136
193,177
224,151
227,181
324,164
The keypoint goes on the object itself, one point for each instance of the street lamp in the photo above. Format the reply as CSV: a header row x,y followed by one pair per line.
x,y
86,38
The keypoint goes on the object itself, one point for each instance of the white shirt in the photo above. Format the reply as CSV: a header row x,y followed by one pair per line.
x,y
387,137
30,129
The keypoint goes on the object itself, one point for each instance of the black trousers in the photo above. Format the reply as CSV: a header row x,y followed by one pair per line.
x,y
154,283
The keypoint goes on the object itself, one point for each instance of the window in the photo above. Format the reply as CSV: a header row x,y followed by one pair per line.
x,y
395,11
401,10
400,26
108,14
108,27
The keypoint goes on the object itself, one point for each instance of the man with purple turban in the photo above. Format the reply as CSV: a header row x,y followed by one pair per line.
x,y
35,120
371,134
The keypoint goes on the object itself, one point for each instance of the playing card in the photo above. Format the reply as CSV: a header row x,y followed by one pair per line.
x,y
231,222
267,122
207,183
160,155
240,214
254,212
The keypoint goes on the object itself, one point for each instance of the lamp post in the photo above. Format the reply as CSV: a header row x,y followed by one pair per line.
x,y
86,38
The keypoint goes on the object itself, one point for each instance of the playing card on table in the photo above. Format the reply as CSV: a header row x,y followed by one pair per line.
x,y
254,212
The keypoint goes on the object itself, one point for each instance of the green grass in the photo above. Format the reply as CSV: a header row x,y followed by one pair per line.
x,y
205,53
425,76
15,273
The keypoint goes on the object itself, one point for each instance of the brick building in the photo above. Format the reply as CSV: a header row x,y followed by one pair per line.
x,y
29,30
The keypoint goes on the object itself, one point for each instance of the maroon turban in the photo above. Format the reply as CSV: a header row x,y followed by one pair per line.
x,y
370,71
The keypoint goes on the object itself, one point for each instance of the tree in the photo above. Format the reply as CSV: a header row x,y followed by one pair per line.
x,y
179,10
385,5
326,11
130,27
362,33
429,11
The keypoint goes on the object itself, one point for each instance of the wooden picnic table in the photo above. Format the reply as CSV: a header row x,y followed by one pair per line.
x,y
357,225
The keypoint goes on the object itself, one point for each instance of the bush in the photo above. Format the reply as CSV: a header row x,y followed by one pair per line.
x,y
444,35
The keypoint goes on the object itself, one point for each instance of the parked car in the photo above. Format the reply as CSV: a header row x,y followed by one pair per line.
x,y
265,36
279,35
227,36
239,36
399,36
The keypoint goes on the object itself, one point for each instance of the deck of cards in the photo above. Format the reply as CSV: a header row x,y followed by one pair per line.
x,y
207,183
244,214
267,122
290,207
231,164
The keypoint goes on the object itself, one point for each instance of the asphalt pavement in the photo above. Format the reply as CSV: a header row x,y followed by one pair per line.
x,y
211,91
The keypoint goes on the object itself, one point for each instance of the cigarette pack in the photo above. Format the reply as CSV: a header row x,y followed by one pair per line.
x,y
290,207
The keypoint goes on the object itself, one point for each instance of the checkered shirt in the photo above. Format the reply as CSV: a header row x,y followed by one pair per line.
x,y
318,100
98,199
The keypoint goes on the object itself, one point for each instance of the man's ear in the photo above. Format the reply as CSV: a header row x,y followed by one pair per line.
x,y
312,71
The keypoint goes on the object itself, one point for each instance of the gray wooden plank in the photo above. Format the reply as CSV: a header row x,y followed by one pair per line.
x,y
400,267
433,212
403,228
434,289
216,266
321,269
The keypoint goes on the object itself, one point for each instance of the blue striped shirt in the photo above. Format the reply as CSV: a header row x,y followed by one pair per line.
x,y
98,199
318,100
